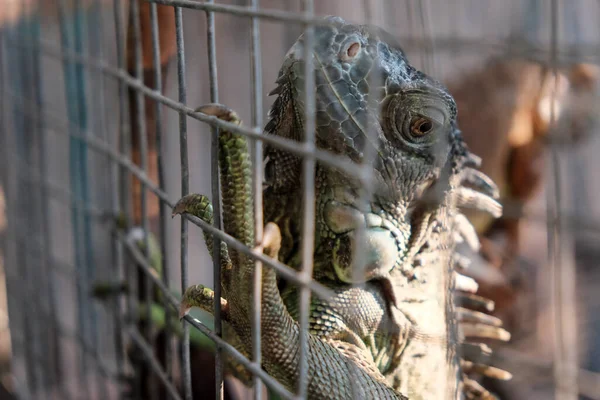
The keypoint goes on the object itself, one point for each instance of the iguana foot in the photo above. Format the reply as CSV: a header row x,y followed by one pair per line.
x,y
204,298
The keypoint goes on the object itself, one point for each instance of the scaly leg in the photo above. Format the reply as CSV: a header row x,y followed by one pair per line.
x,y
336,370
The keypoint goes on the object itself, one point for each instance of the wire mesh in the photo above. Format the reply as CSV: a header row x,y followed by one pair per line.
x,y
86,82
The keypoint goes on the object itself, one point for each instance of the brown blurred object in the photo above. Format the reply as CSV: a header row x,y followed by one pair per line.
x,y
166,29
505,111
167,48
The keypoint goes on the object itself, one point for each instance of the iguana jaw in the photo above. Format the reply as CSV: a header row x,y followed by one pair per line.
x,y
391,236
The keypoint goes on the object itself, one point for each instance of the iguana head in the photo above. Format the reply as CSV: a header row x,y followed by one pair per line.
x,y
370,100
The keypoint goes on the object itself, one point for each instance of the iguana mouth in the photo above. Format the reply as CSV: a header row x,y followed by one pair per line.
x,y
388,239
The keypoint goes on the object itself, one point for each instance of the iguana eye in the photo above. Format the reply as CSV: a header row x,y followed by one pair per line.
x,y
417,118
420,126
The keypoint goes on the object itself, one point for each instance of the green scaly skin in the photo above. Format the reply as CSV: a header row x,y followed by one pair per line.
x,y
280,332
397,330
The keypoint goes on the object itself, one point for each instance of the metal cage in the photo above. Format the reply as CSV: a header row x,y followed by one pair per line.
x,y
93,128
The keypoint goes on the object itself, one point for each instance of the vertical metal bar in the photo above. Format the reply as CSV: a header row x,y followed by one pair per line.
x,y
308,222
562,273
16,301
143,140
216,197
553,204
120,185
366,181
5,177
73,75
530,27
409,16
257,123
428,55
8,188
47,268
95,30
125,129
161,183
185,187
79,34
125,206
32,94
17,65
367,10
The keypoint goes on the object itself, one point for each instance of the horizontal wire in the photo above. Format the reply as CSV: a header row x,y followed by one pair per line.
x,y
145,266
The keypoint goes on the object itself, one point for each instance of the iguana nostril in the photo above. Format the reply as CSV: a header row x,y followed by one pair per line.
x,y
351,51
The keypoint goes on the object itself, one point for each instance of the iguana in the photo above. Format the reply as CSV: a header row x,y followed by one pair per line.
x,y
393,333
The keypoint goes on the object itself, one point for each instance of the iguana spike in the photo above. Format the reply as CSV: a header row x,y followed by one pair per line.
x,y
276,91
472,160
465,283
480,181
474,301
473,390
466,230
485,370
469,198
467,315
482,331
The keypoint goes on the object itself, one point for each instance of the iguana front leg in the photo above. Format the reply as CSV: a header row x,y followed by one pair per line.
x,y
336,370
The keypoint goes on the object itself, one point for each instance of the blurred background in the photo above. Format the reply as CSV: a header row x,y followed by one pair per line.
x,y
525,76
